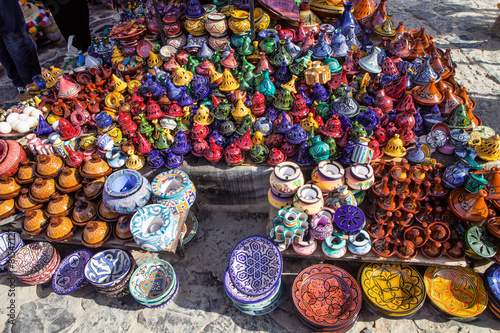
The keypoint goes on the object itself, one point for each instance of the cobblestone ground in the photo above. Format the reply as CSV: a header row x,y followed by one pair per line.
x,y
467,27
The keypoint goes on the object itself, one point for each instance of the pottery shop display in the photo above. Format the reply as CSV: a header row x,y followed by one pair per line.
x,y
154,284
317,308
69,276
174,190
125,191
457,293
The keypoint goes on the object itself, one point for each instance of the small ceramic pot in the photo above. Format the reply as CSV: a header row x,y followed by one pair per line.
x,y
218,43
7,208
239,22
115,158
174,190
94,168
328,175
286,178
125,191
306,247
84,212
360,176
95,233
26,172
48,166
59,229
59,205
25,202
308,199
322,224
334,246
216,24
69,180
359,244
122,229
35,221
88,140
93,189
8,187
195,27
42,189
277,200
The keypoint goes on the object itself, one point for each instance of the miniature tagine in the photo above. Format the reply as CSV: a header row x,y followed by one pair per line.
x,y
95,233
59,229
94,168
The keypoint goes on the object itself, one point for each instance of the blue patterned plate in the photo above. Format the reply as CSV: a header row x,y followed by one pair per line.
x,y
152,281
168,301
237,296
255,266
69,275
492,277
107,268
10,243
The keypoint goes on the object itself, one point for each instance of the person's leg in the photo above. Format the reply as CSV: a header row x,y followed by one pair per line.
x,y
9,65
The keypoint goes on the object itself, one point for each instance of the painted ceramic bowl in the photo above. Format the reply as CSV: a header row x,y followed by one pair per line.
x,y
94,188
10,243
7,208
108,268
83,212
48,166
121,289
59,205
31,258
456,291
35,221
69,180
45,274
154,227
11,155
94,168
8,187
95,233
125,191
26,172
59,229
25,202
69,276
174,189
42,190
152,281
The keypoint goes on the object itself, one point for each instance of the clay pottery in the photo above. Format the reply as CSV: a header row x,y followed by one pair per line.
x,y
106,214
376,18
469,207
8,187
395,147
489,149
286,178
95,234
455,250
328,175
418,236
239,22
35,221
327,9
406,250
195,27
363,9
360,176
479,243
308,199
48,166
493,186
383,247
95,168
26,172
392,202
434,250
69,180
427,94
84,212
25,202
125,191
438,232
59,205
216,24
122,229
321,224
42,189
92,189
7,208
59,229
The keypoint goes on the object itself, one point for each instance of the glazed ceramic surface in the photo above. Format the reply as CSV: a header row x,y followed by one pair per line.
x,y
125,191
10,243
255,266
31,258
457,291
397,289
152,280
69,275
174,190
154,227
240,297
492,279
108,268
326,295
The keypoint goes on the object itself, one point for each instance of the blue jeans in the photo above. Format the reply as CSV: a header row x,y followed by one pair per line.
x,y
17,48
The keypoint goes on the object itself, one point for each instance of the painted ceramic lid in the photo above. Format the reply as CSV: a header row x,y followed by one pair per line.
x,y
481,242
326,296
492,278
436,139
349,218
393,288
108,268
170,184
460,136
255,266
69,275
456,291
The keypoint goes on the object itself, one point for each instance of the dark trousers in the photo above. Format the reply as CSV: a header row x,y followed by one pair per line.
x,y
72,18
17,48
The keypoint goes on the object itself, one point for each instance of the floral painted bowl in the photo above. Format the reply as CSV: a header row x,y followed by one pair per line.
x,y
154,227
152,281
10,243
31,258
108,268
69,275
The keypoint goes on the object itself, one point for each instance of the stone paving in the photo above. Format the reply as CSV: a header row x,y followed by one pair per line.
x,y
469,28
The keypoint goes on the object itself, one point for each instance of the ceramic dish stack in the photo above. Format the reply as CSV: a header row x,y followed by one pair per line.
x,y
35,263
456,293
253,278
491,279
154,284
109,271
10,243
69,276
391,291
326,298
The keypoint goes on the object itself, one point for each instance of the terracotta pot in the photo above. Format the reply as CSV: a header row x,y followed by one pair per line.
x,y
59,229
95,168
26,172
69,180
11,155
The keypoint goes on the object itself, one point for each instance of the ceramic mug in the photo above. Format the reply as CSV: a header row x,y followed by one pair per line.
x,y
104,142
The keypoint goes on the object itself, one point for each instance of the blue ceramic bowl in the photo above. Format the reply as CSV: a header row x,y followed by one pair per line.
x,y
69,276
108,268
153,282
10,243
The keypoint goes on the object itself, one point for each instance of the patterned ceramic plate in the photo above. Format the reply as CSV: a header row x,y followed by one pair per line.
x,y
69,275
10,243
238,296
457,291
192,227
326,296
152,280
169,300
392,288
107,268
255,266
31,258
268,308
492,277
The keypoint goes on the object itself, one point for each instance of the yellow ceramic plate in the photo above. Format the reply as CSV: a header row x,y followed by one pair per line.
x,y
394,289
456,290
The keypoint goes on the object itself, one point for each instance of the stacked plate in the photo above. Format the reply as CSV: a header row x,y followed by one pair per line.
x,y
326,298
391,290
69,276
154,284
10,243
253,278
492,283
35,263
109,271
456,293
